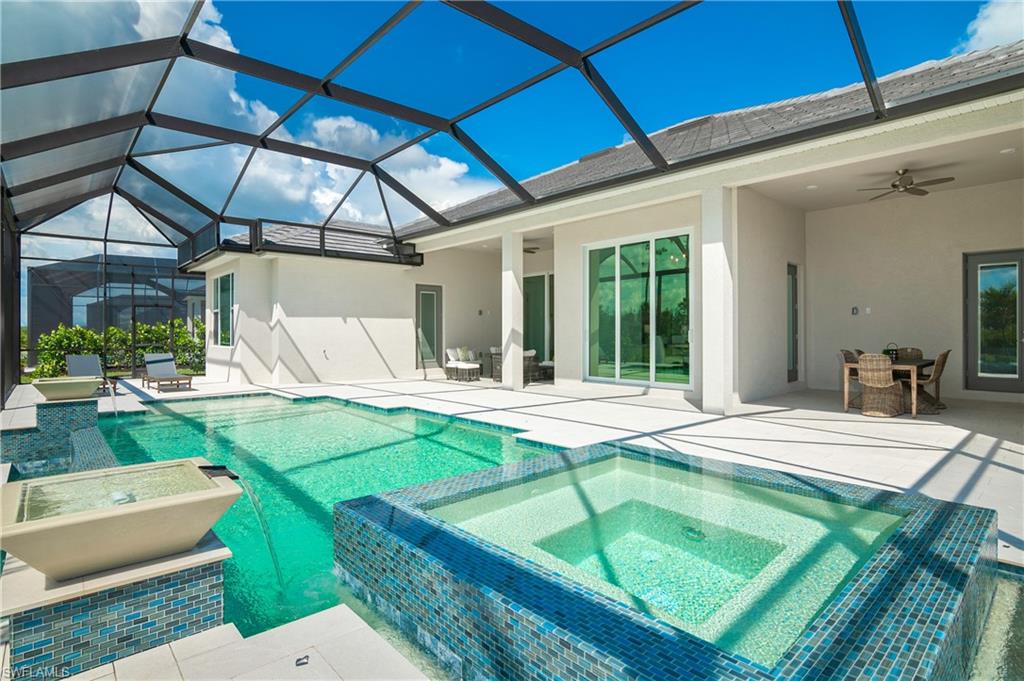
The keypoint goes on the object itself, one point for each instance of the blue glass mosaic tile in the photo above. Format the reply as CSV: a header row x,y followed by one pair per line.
x,y
66,638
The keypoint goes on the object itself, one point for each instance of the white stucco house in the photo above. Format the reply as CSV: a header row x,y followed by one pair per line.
x,y
774,260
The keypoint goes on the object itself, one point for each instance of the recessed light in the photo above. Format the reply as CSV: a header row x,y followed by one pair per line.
x,y
811,187
1007,150
483,245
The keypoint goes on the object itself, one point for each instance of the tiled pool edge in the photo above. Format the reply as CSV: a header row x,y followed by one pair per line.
x,y
940,565
47,447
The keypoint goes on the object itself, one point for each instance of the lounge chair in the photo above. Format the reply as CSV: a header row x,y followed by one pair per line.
x,y
86,366
160,369
461,370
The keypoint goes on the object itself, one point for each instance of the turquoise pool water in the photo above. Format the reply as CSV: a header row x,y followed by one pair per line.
x,y
301,458
744,567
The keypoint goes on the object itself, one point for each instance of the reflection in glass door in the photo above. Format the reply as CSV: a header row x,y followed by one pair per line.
x,y
535,332
792,325
638,319
429,339
994,335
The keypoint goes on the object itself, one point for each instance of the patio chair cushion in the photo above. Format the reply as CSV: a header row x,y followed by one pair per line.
x,y
84,365
464,354
161,365
464,365
451,354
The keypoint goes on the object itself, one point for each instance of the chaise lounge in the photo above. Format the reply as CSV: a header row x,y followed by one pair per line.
x,y
160,369
87,366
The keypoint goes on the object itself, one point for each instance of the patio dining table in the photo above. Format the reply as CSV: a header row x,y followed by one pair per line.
x,y
909,366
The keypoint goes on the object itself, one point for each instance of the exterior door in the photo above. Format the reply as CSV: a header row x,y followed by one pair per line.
x,y
994,337
792,325
429,324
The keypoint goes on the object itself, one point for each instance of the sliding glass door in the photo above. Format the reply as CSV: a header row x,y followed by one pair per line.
x,y
638,311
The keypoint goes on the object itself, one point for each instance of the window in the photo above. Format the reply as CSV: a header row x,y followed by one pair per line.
x,y
638,316
223,303
994,312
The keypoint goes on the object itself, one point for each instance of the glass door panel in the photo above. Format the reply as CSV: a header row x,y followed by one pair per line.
x,y
998,289
635,311
601,313
428,326
994,312
672,310
551,317
792,328
534,330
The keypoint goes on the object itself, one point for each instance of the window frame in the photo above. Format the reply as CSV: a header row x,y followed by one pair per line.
x,y
217,313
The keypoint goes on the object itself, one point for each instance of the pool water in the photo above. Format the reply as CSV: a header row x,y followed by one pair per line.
x,y
301,458
50,497
744,567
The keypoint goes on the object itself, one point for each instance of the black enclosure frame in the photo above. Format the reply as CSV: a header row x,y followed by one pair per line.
x,y
182,46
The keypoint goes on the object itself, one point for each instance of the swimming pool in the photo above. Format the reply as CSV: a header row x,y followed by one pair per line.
x,y
300,458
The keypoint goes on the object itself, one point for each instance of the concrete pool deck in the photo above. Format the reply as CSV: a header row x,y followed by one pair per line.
x,y
972,453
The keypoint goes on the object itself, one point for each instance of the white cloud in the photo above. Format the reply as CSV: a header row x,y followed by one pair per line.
x,y
997,23
278,185
208,29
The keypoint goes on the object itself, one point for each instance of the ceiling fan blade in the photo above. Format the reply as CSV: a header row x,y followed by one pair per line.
x,y
874,189
938,180
891,191
915,191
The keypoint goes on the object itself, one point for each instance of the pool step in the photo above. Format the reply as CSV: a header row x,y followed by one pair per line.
x,y
331,644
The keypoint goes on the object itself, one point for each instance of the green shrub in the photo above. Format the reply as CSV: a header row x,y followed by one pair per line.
x,y
189,348
64,340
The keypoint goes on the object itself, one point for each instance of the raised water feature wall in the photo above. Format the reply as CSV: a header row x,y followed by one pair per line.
x,y
914,609
89,630
48,447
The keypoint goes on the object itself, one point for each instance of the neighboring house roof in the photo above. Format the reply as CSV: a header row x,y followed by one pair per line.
x,y
720,131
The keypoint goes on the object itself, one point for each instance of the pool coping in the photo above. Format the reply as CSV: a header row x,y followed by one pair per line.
x,y
902,613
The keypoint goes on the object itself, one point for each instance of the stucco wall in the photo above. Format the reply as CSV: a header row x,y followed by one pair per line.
x,y
903,258
569,275
770,236
304,319
539,262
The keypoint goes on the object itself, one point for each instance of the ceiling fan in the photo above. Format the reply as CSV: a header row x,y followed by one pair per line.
x,y
530,247
904,184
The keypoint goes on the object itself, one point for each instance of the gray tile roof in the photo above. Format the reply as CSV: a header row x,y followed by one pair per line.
x,y
706,134
294,236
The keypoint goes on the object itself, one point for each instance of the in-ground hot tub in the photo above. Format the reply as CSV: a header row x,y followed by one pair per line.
x,y
618,561
71,525
67,387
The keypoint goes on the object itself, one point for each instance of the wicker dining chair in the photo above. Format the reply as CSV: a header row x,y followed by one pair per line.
x,y
909,353
882,394
933,379
848,356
